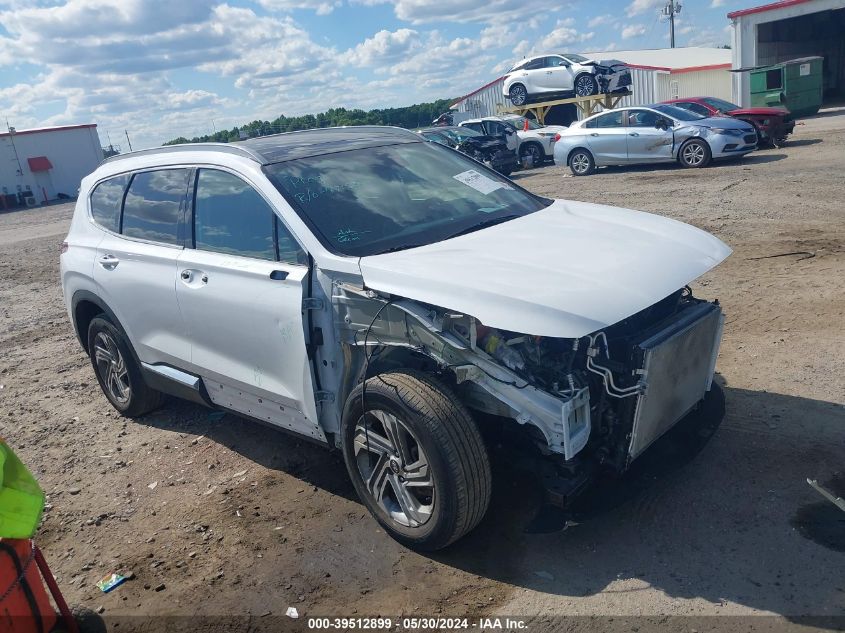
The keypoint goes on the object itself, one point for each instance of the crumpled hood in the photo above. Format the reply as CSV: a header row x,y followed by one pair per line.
x,y
564,271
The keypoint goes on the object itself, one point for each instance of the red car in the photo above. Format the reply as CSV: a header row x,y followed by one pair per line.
x,y
773,124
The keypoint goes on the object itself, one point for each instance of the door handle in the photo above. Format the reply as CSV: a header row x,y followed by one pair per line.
x,y
634,134
109,261
548,72
186,275
279,275
594,134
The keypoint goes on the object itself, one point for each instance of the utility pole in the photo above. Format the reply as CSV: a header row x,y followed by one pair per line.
x,y
127,139
671,9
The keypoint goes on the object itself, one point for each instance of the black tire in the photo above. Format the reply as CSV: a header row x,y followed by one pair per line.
x,y
518,95
581,162
694,154
447,440
121,373
505,171
585,85
535,150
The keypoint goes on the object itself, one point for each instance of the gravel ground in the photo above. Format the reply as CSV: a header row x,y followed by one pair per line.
x,y
220,516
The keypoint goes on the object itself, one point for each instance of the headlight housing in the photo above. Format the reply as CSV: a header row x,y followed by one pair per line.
x,y
728,131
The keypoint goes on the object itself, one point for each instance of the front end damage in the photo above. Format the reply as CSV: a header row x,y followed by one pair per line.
x,y
588,403
612,75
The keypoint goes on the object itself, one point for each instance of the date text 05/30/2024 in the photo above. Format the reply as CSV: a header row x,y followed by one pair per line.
x,y
418,624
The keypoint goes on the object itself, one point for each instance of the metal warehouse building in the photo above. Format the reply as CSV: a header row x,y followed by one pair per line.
x,y
657,75
42,163
787,30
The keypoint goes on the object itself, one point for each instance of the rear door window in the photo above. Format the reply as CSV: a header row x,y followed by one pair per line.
x,y
106,200
611,119
154,204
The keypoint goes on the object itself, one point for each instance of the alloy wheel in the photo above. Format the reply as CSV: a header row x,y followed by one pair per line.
x,y
585,86
694,154
580,163
394,468
112,368
518,95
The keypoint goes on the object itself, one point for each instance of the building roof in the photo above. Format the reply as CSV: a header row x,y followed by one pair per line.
x,y
676,60
277,148
765,7
40,130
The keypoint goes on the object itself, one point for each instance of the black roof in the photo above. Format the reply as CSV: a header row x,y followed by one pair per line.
x,y
278,148
290,145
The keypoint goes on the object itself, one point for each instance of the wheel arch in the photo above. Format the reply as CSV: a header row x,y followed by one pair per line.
x,y
689,140
532,143
575,149
85,305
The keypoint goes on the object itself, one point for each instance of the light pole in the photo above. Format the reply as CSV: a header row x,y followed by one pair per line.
x,y
672,9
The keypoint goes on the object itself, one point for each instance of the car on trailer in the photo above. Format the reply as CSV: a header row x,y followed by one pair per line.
x,y
393,299
773,125
566,74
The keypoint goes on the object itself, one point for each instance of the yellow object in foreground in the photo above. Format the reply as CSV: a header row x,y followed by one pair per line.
x,y
21,498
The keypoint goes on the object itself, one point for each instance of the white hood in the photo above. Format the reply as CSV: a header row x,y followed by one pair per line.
x,y
565,271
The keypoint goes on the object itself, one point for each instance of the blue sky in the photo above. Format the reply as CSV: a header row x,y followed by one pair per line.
x,y
164,68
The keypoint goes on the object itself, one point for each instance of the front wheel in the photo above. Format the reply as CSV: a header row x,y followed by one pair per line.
x,y
695,153
581,163
416,459
518,94
586,85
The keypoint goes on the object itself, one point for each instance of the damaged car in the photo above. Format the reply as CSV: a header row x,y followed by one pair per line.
x,y
395,300
651,134
566,74
488,150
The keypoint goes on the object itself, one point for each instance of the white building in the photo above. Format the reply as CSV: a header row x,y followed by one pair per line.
x,y
657,75
787,30
47,161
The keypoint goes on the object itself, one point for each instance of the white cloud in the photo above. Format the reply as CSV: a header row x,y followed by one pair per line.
x,y
486,11
385,47
715,4
322,7
633,30
641,6
600,20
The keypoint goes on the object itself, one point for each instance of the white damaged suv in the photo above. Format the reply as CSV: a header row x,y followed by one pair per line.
x,y
396,300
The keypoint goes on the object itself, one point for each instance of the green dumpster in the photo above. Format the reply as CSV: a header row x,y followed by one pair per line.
x,y
795,84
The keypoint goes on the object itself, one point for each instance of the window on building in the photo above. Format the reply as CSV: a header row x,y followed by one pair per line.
x,y
106,200
153,206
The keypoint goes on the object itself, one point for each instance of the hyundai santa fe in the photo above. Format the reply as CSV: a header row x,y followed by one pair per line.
x,y
394,299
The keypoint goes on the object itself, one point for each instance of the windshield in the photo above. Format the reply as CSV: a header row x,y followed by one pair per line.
x,y
677,113
375,200
519,123
578,59
459,135
719,104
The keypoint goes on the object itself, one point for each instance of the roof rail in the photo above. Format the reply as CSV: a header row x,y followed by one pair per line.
x,y
226,148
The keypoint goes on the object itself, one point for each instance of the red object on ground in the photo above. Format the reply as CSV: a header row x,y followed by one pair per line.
x,y
25,606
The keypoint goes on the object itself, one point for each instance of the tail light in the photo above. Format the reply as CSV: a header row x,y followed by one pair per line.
x,y
64,247
557,137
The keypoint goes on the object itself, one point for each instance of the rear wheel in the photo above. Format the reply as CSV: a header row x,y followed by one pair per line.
x,y
416,459
116,370
695,153
586,85
535,151
581,162
518,94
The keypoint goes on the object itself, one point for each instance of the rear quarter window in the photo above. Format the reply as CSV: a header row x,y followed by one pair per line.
x,y
106,200
154,204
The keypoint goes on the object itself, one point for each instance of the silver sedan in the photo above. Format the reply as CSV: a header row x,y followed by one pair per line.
x,y
651,134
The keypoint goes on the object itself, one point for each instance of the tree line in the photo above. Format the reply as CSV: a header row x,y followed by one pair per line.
x,y
414,116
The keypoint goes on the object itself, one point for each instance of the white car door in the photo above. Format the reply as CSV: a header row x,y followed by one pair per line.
x,y
241,289
136,269
558,74
533,76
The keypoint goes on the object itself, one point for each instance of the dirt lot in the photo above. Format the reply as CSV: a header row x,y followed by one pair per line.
x,y
222,516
